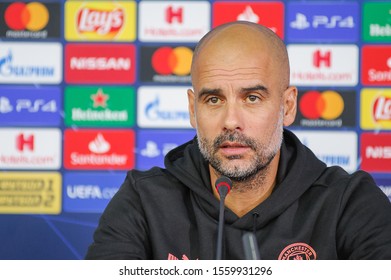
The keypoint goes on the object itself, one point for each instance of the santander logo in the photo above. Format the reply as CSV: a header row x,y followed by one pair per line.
x,y
99,145
100,21
382,109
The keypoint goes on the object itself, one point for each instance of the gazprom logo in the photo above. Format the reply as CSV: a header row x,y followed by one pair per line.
x,y
8,68
154,112
31,63
162,107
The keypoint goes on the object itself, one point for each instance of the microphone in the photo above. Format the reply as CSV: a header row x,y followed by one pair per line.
x,y
250,246
223,186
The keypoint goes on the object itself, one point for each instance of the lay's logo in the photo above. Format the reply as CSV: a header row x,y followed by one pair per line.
x,y
382,109
100,21
375,108
104,22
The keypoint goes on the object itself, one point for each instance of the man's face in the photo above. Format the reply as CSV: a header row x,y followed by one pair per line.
x,y
239,120
238,108
239,124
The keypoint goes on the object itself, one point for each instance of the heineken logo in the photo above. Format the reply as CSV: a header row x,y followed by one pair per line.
x,y
376,22
99,106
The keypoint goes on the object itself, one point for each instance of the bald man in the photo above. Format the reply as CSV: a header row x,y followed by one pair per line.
x,y
295,206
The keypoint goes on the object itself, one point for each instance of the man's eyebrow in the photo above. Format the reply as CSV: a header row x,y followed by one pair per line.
x,y
209,91
255,88
218,91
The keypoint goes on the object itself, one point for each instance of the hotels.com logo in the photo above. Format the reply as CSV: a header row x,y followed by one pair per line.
x,y
376,152
37,148
25,142
173,21
322,59
314,65
99,149
100,21
382,109
174,14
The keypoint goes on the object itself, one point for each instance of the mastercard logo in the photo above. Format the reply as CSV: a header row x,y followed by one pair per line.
x,y
33,16
167,60
328,105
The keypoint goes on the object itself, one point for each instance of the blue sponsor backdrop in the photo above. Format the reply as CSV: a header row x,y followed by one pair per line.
x,y
30,106
153,145
327,21
85,194
89,192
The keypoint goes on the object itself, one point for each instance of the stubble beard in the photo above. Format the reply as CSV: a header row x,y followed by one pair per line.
x,y
255,168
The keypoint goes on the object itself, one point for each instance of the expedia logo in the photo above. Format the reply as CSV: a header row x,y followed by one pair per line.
x,y
326,109
166,64
33,20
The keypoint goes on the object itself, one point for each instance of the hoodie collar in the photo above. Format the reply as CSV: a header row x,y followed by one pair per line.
x,y
298,169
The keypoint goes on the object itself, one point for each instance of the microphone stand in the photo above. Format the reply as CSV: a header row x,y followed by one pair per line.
x,y
223,186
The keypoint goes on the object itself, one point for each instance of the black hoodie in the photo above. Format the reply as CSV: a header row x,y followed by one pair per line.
x,y
314,212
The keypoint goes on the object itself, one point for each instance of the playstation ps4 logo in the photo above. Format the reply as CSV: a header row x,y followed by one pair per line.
x,y
29,105
301,22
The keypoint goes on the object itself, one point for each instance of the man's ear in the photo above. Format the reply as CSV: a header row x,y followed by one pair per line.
x,y
290,105
191,99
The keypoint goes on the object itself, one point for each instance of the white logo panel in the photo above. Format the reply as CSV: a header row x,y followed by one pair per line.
x,y
34,63
173,21
30,148
159,107
323,65
332,147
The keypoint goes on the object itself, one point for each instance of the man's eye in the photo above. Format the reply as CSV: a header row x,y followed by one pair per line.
x,y
252,98
213,100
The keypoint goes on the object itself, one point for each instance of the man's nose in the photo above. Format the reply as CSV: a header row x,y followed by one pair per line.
x,y
232,117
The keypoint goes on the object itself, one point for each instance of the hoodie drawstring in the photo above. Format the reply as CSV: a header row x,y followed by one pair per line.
x,y
255,218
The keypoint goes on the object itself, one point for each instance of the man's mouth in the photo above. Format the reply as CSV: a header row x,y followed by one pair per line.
x,y
233,148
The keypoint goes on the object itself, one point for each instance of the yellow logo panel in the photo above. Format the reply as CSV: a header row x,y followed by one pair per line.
x,y
30,193
375,108
100,20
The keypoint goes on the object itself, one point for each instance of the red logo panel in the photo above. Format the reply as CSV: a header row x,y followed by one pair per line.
x,y
104,63
376,65
99,149
376,152
270,14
